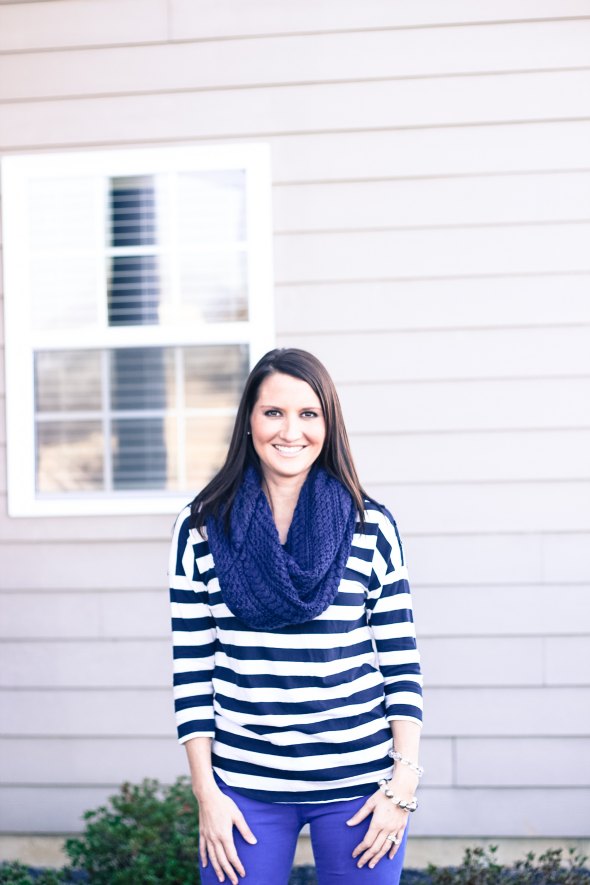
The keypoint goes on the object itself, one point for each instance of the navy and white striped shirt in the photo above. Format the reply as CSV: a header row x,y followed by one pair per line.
x,y
299,713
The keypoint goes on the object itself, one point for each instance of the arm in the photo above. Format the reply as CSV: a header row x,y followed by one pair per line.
x,y
193,642
389,607
193,638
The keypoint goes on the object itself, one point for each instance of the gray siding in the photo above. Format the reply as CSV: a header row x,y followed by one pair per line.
x,y
431,219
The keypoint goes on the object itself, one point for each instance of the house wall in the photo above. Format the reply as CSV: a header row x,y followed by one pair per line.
x,y
431,189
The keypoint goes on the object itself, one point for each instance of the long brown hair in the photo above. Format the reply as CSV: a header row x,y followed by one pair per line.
x,y
217,497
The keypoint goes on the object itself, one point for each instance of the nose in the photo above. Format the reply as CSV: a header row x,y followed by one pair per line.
x,y
290,430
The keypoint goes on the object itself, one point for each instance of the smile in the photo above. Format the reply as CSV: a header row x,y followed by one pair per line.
x,y
289,451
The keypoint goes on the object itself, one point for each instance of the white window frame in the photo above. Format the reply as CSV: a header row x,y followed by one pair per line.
x,y
21,341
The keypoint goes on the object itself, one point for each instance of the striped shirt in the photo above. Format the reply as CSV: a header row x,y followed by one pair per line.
x,y
300,713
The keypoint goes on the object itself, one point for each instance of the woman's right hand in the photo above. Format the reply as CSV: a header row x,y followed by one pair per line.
x,y
218,814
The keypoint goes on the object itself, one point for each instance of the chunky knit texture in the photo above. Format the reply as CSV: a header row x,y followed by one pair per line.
x,y
268,585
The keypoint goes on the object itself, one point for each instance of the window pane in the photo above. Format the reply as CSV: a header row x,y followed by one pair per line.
x,y
69,456
133,211
214,286
212,207
142,378
134,290
207,439
64,290
144,454
68,381
64,214
214,376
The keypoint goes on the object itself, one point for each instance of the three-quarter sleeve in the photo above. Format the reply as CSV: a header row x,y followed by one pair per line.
x,y
193,636
389,606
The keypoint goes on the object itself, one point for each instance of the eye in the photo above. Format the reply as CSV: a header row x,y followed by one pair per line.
x,y
309,414
272,413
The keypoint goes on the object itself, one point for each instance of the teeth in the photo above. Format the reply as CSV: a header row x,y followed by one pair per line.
x,y
289,450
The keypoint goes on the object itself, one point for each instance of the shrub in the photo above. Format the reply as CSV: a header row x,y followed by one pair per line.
x,y
480,867
146,834
16,873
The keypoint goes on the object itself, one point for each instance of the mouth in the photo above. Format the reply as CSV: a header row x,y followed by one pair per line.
x,y
288,451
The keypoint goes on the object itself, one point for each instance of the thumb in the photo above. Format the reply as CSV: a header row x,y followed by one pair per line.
x,y
361,814
244,829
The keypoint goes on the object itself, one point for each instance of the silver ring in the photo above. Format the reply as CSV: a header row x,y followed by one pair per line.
x,y
393,839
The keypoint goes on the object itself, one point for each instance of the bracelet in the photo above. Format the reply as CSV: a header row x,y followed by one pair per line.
x,y
412,765
409,805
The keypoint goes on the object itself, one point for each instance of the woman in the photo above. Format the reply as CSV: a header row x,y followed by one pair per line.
x,y
295,660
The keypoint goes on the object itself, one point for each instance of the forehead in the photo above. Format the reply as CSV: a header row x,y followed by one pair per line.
x,y
280,388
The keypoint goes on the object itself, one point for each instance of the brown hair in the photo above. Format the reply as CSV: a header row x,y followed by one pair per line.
x,y
218,495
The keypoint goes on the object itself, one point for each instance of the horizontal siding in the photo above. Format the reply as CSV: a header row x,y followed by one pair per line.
x,y
467,405
473,457
462,100
102,565
88,712
515,146
97,761
487,508
205,18
78,617
441,202
475,302
170,67
433,252
36,25
507,554
101,664
508,712
452,355
499,611
431,193
522,762
450,661
467,812
473,711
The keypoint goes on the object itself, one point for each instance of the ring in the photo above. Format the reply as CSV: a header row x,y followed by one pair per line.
x,y
393,839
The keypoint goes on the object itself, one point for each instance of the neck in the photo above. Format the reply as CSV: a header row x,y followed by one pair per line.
x,y
282,494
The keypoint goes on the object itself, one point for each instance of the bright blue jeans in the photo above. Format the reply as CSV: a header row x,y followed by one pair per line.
x,y
276,826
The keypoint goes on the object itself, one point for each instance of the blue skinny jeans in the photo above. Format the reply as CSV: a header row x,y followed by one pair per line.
x,y
276,827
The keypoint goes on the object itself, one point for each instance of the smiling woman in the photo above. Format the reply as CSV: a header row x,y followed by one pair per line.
x,y
295,658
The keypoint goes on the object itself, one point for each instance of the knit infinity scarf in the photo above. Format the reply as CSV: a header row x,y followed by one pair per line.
x,y
268,585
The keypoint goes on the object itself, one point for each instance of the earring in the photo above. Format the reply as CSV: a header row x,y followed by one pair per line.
x,y
248,433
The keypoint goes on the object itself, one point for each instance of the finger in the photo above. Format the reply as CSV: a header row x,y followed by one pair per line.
x,y
233,858
381,853
225,863
367,842
361,814
374,852
399,836
244,829
215,863
203,850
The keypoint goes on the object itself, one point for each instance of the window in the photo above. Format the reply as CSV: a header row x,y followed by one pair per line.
x,y
137,296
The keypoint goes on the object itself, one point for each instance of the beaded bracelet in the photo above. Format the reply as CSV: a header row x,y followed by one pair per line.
x,y
412,765
410,805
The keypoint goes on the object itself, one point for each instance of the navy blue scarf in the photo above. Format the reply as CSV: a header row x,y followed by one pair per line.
x,y
268,585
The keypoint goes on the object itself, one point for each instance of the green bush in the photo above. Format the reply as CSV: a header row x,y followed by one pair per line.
x,y
16,873
480,867
147,834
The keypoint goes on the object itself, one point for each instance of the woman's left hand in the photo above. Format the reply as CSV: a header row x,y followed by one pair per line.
x,y
388,820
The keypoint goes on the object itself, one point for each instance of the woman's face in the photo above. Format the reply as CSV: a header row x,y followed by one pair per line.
x,y
288,427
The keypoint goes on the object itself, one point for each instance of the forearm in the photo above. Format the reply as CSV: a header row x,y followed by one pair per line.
x,y
198,751
406,740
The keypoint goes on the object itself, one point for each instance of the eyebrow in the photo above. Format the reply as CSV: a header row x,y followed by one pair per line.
x,y
302,409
